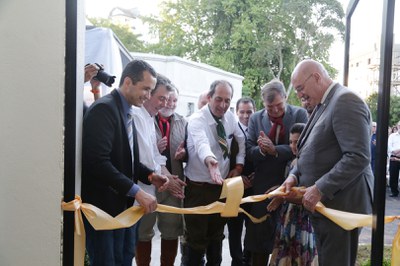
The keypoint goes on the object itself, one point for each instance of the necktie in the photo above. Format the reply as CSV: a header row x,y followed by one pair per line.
x,y
222,137
129,131
163,124
277,132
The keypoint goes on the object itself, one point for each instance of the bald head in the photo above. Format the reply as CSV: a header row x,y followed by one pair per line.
x,y
309,66
203,100
310,81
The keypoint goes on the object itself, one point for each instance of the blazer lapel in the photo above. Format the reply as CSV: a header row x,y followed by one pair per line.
x,y
265,123
314,118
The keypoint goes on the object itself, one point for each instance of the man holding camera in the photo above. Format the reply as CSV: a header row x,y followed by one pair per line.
x,y
111,167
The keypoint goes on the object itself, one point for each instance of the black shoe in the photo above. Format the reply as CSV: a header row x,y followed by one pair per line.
x,y
393,195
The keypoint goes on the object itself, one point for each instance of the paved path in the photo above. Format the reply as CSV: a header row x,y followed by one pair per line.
x,y
392,208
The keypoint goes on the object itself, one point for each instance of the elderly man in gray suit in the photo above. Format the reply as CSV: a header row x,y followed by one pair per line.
x,y
333,159
267,146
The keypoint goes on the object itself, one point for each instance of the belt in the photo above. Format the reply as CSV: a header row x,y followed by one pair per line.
x,y
199,184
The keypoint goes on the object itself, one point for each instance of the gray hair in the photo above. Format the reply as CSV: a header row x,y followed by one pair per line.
x,y
271,89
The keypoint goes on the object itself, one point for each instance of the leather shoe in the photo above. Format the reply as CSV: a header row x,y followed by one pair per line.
x,y
393,195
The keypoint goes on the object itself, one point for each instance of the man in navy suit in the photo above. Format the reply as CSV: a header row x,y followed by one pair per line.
x,y
111,167
267,146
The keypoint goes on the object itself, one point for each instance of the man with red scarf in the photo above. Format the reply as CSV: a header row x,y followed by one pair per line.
x,y
267,146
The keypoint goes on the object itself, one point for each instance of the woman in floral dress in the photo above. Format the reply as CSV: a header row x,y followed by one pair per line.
x,y
295,241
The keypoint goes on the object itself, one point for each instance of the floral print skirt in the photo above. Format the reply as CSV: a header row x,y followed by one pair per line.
x,y
295,240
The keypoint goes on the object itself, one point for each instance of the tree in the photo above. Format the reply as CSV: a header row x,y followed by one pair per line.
x,y
258,39
130,40
394,109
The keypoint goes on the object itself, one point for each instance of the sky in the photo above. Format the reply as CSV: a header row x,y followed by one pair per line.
x,y
102,8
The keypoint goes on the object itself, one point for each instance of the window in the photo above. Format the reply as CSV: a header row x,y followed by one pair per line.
x,y
190,108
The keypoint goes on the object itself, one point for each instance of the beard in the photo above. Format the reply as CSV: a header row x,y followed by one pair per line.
x,y
166,112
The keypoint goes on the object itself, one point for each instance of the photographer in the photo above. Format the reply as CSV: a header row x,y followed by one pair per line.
x,y
96,75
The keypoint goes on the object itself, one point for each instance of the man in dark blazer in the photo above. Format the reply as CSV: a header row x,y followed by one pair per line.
x,y
245,108
110,168
333,159
267,146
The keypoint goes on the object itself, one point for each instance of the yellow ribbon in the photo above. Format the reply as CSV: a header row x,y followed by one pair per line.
x,y
232,191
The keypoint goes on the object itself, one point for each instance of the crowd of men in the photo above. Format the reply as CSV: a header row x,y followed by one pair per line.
x,y
138,150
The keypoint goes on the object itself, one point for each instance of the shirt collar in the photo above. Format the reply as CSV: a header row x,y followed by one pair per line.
x,y
126,107
213,117
243,126
328,91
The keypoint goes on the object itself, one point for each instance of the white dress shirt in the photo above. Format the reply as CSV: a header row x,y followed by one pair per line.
x,y
244,129
202,142
393,142
146,136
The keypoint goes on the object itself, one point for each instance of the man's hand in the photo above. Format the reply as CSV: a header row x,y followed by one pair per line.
x,y
147,201
248,180
265,144
180,153
91,71
291,181
161,182
175,186
162,144
311,198
274,204
212,165
237,171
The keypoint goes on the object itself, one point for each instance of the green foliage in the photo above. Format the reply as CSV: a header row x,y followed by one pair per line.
x,y
130,40
394,109
259,39
364,254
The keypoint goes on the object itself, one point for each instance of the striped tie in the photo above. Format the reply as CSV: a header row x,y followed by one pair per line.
x,y
129,131
222,138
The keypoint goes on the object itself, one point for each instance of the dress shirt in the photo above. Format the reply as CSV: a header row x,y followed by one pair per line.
x,y
393,143
327,92
244,129
146,135
202,142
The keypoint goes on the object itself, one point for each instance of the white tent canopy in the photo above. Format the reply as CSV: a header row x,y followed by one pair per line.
x,y
102,46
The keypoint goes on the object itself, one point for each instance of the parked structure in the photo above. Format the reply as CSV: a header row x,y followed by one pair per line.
x,y
191,78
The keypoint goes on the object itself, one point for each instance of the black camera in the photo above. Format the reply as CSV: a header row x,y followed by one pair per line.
x,y
104,77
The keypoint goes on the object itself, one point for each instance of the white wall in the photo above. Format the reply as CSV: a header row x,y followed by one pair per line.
x,y
32,66
191,78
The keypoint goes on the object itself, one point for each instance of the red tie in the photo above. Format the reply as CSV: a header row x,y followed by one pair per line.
x,y
164,126
277,124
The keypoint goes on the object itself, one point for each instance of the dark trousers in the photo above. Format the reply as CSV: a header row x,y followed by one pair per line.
x,y
235,227
203,231
394,168
335,245
110,247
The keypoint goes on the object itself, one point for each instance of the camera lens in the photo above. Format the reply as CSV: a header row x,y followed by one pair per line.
x,y
105,78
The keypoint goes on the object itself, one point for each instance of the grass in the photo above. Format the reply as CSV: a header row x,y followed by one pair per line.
x,y
364,254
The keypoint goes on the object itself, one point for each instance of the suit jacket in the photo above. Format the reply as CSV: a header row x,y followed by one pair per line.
x,y
106,157
176,137
269,171
334,152
248,167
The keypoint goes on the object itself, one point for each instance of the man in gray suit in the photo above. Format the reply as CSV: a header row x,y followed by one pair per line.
x,y
267,146
333,159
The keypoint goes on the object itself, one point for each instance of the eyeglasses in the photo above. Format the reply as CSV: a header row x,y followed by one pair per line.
x,y
301,87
